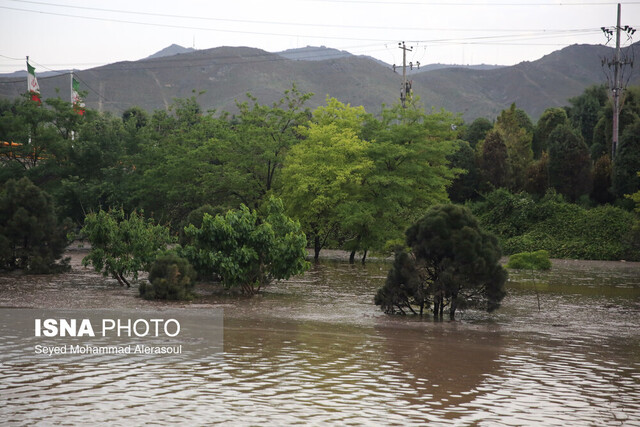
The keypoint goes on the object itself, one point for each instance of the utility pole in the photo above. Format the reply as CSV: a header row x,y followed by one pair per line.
x,y
617,88
405,89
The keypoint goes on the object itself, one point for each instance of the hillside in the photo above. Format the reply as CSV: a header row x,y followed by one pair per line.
x,y
225,74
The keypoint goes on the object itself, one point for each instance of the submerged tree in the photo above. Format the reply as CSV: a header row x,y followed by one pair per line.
x,y
247,249
453,263
121,245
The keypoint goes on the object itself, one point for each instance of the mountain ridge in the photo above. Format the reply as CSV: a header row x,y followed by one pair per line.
x,y
226,74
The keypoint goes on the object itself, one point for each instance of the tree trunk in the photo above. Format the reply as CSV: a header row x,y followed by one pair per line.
x,y
452,309
352,257
364,257
316,248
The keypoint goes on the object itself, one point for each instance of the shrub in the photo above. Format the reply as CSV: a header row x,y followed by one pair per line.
x,y
538,260
170,277
31,238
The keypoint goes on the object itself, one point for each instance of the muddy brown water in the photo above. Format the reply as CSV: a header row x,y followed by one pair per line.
x,y
315,350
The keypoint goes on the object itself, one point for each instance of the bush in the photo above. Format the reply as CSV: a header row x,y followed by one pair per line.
x,y
170,277
538,260
248,249
565,230
121,245
31,238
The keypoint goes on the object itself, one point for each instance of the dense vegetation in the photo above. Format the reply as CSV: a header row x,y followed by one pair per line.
x,y
452,263
351,180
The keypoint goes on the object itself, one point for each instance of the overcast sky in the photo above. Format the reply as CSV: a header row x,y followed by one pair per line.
x,y
63,34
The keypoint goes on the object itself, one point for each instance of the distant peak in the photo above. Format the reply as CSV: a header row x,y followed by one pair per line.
x,y
174,49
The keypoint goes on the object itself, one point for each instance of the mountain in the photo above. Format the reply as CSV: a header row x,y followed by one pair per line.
x,y
174,49
226,74
314,53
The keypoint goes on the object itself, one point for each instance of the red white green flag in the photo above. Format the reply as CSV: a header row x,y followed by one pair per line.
x,y
32,84
78,105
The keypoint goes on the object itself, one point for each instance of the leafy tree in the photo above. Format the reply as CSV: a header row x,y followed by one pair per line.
x,y
585,110
627,162
248,250
538,176
262,138
517,133
31,238
601,191
122,245
465,186
455,264
170,277
603,131
550,119
325,171
569,163
410,151
494,166
477,131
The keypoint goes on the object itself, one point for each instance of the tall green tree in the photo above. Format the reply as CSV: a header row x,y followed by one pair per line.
x,y
517,133
550,119
263,136
493,160
627,162
476,131
325,171
569,163
585,110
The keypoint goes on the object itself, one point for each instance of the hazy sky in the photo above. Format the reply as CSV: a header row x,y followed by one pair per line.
x,y
62,34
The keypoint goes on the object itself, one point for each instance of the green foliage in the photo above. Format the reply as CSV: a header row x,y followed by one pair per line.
x,y
494,166
565,230
569,163
601,190
550,119
476,131
538,176
325,171
464,187
170,277
247,249
538,260
31,238
586,109
517,133
122,245
627,162
455,263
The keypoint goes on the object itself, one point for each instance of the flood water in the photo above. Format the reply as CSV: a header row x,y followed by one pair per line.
x,y
316,351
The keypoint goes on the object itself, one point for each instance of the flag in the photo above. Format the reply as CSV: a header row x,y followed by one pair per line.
x,y
32,84
78,105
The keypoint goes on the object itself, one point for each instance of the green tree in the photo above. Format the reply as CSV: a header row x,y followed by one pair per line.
x,y
476,131
538,176
262,138
569,163
517,133
31,238
494,166
550,119
586,109
465,186
248,250
410,150
455,264
121,245
325,171
627,162
601,191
